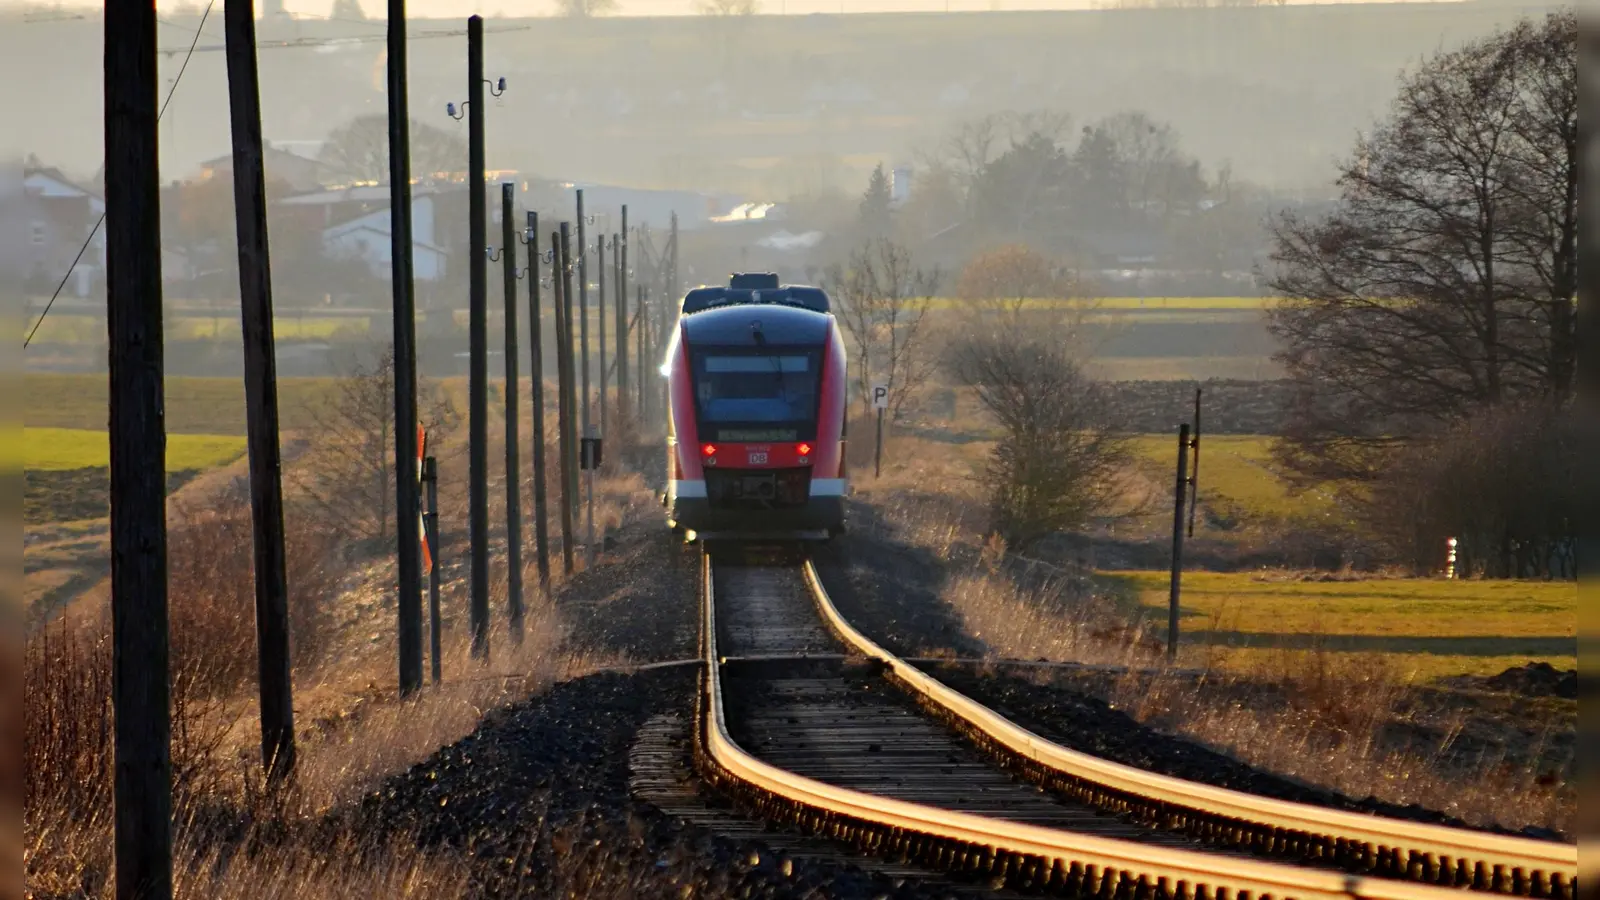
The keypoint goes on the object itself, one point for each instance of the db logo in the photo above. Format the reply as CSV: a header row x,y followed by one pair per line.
x,y
758,459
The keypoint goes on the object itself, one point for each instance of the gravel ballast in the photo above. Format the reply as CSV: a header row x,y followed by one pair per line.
x,y
537,798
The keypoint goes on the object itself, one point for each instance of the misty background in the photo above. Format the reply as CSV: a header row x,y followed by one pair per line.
x,y
1145,148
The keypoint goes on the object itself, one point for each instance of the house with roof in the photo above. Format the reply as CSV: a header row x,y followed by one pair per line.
x,y
301,173
367,239
56,220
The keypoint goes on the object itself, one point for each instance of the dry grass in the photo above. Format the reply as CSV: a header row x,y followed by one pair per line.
x,y
1340,721
232,839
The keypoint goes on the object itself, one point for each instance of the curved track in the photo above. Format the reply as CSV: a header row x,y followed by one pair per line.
x,y
803,733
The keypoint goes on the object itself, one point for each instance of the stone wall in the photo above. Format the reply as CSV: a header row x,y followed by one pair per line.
x,y
1226,406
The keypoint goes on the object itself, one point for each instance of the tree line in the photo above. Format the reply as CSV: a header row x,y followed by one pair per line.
x,y
1429,319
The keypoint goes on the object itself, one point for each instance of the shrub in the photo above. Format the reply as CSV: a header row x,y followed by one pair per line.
x,y
1059,463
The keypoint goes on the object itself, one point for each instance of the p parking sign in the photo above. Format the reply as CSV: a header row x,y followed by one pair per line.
x,y
880,395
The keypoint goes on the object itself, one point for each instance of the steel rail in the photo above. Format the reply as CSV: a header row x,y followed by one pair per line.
x,y
1421,851
1021,854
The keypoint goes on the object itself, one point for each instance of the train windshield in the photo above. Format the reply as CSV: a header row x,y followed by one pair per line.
x,y
766,396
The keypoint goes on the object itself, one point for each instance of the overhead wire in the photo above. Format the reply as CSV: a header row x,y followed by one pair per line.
x,y
98,222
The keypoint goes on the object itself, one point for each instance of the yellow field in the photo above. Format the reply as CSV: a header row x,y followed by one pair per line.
x,y
1238,470
59,449
70,329
1175,304
198,406
1421,628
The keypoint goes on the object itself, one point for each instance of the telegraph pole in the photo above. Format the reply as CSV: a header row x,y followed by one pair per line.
x,y
508,257
583,316
622,316
408,605
600,316
142,732
260,391
477,389
570,344
541,530
643,325
1181,489
430,476
1194,474
569,469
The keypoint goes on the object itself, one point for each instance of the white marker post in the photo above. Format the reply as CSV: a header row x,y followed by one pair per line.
x,y
880,402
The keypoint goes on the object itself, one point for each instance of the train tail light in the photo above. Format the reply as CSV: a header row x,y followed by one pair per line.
x,y
708,450
803,449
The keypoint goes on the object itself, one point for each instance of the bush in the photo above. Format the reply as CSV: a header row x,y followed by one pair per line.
x,y
1059,463
211,592
1502,483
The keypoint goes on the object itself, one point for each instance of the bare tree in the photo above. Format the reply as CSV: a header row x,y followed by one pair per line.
x,y
1445,281
882,301
1059,463
359,149
348,475
999,284
585,9
967,151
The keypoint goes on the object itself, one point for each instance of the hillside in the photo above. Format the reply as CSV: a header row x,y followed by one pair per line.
x,y
781,103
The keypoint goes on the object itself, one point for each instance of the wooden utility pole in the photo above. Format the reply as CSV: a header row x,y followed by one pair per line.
x,y
260,392
644,357
430,477
142,789
569,470
622,316
583,320
1180,492
408,603
1194,472
600,317
570,348
541,529
478,369
508,259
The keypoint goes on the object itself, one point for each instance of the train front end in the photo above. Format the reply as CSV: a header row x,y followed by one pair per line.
x,y
755,437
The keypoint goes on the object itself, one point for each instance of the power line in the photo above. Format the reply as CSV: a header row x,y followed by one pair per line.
x,y
101,221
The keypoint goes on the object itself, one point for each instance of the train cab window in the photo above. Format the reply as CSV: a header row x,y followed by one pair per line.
x,y
756,389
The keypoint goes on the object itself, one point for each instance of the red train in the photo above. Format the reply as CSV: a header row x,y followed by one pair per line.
x,y
756,419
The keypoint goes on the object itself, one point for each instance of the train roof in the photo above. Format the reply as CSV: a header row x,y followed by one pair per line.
x,y
737,324
758,288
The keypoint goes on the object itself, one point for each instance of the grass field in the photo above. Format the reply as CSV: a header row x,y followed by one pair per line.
x,y
1421,628
1236,475
62,449
1133,303
72,329
201,406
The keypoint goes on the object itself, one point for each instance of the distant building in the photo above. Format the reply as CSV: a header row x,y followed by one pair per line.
x,y
56,220
367,238
301,173
646,206
900,185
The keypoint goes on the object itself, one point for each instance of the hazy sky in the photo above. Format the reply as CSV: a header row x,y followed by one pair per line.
x,y
499,8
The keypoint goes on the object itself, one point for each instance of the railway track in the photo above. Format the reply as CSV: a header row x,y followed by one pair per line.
x,y
805,721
